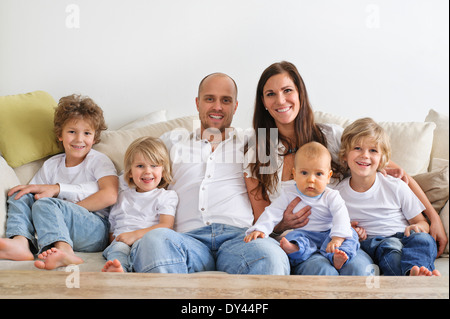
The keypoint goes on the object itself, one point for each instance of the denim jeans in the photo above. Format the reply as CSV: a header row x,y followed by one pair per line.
x,y
360,265
397,254
53,220
216,247
120,251
310,242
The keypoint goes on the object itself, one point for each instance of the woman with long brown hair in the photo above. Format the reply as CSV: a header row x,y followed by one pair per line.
x,y
282,106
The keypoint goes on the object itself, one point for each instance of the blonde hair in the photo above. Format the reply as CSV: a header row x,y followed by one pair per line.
x,y
365,128
153,150
312,151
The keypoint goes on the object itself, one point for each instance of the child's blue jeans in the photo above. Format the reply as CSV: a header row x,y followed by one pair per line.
x,y
53,220
397,254
310,242
120,251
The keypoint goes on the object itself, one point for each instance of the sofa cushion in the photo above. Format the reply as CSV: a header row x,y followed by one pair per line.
x,y
435,185
411,142
26,127
8,179
115,143
441,133
150,118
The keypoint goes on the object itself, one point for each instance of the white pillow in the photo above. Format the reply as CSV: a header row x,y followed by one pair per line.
x,y
7,181
151,118
440,142
115,143
411,142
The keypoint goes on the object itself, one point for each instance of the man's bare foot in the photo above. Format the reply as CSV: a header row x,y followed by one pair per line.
x,y
339,258
113,266
54,258
16,248
287,246
423,271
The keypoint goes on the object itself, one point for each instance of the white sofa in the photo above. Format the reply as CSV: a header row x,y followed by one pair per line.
x,y
420,148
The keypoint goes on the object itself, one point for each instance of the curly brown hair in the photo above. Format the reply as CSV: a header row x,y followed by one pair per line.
x,y
79,107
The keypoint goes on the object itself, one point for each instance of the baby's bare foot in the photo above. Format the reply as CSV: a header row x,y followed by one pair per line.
x,y
287,246
339,258
54,258
16,248
113,266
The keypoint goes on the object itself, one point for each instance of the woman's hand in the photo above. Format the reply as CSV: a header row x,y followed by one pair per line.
x,y
290,220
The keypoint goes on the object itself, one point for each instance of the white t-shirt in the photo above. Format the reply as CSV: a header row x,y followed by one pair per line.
x,y
328,211
210,185
78,182
135,210
333,135
385,208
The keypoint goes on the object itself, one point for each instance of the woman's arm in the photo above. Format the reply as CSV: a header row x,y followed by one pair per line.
x,y
436,227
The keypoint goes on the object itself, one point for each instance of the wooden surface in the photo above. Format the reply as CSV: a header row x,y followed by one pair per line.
x,y
60,284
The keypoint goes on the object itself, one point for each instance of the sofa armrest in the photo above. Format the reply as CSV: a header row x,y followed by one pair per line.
x,y
8,179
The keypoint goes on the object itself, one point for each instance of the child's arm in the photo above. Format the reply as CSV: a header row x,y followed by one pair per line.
x,y
359,230
253,236
165,221
106,195
436,227
418,224
334,243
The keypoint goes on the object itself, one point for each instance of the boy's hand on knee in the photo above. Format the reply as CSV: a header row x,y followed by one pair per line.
x,y
253,236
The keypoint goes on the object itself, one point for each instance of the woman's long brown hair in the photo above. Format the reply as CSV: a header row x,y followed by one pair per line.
x,y
305,128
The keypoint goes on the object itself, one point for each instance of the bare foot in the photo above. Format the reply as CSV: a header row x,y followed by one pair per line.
x,y
339,258
423,271
16,248
54,258
113,266
287,246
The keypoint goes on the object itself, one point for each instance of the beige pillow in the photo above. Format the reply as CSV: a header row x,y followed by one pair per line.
x,y
441,134
8,179
411,144
435,185
115,143
444,219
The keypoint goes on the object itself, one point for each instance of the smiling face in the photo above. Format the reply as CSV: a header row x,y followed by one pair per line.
x,y
216,102
146,175
281,99
77,137
364,158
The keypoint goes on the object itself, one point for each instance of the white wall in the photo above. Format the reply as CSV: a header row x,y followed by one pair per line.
x,y
388,59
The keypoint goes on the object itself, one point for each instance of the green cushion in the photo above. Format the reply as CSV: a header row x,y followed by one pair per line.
x,y
26,127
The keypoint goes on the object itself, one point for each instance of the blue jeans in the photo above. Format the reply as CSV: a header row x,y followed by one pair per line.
x,y
120,251
360,265
54,220
216,247
310,242
397,254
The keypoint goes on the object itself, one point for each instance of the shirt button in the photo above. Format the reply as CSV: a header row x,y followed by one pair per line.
x,y
209,176
202,209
